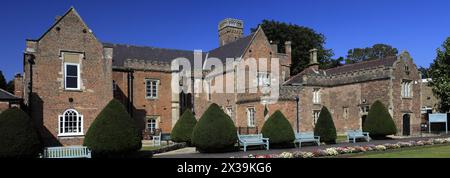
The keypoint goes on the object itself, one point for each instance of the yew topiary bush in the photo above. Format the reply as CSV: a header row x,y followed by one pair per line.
x,y
278,129
214,132
182,131
113,133
379,122
18,136
325,127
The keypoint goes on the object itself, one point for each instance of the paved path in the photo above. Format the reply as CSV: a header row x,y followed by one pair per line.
x,y
190,152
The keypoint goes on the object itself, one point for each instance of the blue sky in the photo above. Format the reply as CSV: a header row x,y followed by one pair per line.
x,y
418,26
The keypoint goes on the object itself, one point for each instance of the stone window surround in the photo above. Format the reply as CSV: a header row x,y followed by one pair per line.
x,y
316,96
406,89
82,55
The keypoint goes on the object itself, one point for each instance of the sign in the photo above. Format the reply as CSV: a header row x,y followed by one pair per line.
x,y
436,118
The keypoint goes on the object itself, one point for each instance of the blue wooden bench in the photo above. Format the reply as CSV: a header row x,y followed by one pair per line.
x,y
253,140
67,152
352,135
306,137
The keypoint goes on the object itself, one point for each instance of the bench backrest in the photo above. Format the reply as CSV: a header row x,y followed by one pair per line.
x,y
67,152
251,138
165,136
355,132
304,135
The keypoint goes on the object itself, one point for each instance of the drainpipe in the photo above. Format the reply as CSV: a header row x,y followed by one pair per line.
x,y
297,99
130,92
30,60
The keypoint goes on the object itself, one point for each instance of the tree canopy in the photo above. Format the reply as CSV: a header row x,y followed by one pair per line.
x,y
377,51
3,83
440,74
303,39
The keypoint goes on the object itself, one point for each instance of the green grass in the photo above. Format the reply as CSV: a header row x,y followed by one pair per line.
x,y
440,151
341,138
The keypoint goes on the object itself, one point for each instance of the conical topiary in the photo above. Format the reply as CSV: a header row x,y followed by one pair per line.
x,y
278,129
113,133
214,132
379,122
18,136
325,127
182,131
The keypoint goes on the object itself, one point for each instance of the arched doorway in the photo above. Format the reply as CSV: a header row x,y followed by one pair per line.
x,y
406,125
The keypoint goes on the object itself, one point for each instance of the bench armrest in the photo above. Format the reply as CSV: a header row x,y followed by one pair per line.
x,y
265,139
317,137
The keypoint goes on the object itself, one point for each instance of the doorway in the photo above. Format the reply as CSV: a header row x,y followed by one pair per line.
x,y
406,125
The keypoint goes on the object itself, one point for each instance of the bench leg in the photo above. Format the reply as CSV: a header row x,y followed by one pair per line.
x,y
245,148
267,146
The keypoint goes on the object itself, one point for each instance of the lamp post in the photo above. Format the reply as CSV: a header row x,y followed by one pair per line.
x,y
297,99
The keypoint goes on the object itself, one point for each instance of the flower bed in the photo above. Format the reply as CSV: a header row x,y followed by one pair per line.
x,y
334,151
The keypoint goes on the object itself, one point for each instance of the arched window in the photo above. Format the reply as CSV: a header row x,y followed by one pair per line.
x,y
70,123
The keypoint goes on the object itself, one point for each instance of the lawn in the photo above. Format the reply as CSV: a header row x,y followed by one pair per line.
x,y
150,148
419,152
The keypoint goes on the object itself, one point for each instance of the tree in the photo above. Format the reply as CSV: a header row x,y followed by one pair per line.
x,y
2,81
113,133
10,87
278,129
18,136
379,122
182,131
377,51
424,71
440,75
214,132
325,127
303,39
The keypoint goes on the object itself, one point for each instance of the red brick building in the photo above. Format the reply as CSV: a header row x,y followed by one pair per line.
x,y
69,76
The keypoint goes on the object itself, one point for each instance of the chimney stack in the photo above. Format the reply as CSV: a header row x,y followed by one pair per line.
x,y
274,47
313,63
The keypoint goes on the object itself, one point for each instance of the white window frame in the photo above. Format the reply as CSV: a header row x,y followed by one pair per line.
x,y
78,75
229,110
151,88
251,119
316,95
156,125
79,124
406,89
315,116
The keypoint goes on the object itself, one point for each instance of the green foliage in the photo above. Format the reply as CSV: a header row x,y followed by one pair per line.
x,y
377,51
215,131
303,39
379,122
113,133
278,129
2,81
440,74
325,127
182,131
10,87
18,136
425,72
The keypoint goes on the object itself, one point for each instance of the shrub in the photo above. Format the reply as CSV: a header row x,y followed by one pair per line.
x,y
325,127
113,133
182,131
278,129
214,132
379,122
18,136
